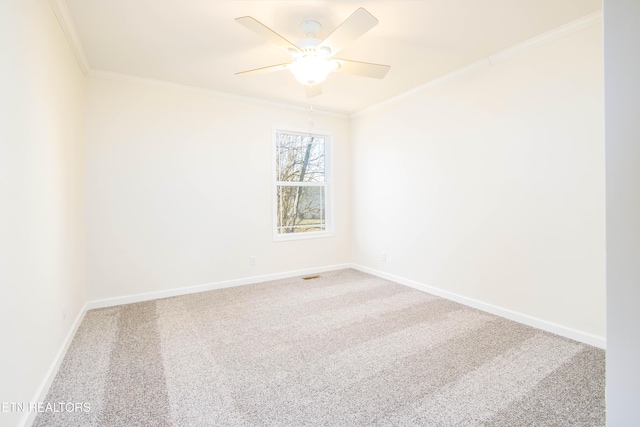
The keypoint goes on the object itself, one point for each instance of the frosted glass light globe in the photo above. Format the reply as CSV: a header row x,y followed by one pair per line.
x,y
311,69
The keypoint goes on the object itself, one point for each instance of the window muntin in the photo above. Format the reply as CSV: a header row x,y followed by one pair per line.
x,y
301,185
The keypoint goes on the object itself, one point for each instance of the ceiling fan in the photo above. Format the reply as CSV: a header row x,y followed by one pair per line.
x,y
313,59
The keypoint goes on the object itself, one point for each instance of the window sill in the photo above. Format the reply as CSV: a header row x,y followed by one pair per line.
x,y
301,236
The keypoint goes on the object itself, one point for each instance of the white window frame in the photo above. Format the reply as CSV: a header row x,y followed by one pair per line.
x,y
328,186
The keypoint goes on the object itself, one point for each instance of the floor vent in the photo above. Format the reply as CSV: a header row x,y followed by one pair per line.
x,y
311,277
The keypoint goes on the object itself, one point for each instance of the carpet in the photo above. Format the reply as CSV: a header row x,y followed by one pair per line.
x,y
344,349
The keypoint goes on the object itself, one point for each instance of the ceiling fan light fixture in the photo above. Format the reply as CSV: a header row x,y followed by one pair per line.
x,y
312,58
312,70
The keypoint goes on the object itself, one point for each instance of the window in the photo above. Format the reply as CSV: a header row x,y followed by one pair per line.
x,y
301,185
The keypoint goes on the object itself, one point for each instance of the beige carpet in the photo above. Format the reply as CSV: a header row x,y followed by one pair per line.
x,y
344,349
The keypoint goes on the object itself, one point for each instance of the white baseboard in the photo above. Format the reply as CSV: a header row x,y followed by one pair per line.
x,y
128,299
41,393
554,328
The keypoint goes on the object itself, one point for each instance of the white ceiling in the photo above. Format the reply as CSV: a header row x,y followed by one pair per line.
x,y
198,43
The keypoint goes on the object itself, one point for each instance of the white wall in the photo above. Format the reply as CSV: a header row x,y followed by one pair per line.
x,y
622,117
491,185
179,189
42,232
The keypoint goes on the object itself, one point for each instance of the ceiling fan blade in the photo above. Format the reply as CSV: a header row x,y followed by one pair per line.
x,y
314,90
364,69
268,69
353,27
266,32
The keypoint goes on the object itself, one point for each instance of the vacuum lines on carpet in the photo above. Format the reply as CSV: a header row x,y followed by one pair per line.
x,y
344,349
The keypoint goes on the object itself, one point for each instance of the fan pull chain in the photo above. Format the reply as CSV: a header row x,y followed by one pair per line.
x,y
310,118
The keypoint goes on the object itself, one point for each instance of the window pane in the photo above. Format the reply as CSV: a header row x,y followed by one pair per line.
x,y
299,158
300,209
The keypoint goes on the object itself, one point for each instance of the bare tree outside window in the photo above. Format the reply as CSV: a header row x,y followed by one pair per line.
x,y
300,183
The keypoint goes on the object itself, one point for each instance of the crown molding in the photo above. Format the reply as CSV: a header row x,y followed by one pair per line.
x,y
63,15
209,92
478,65
68,27
580,24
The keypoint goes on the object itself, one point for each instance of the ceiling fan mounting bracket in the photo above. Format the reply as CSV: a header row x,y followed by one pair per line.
x,y
311,28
